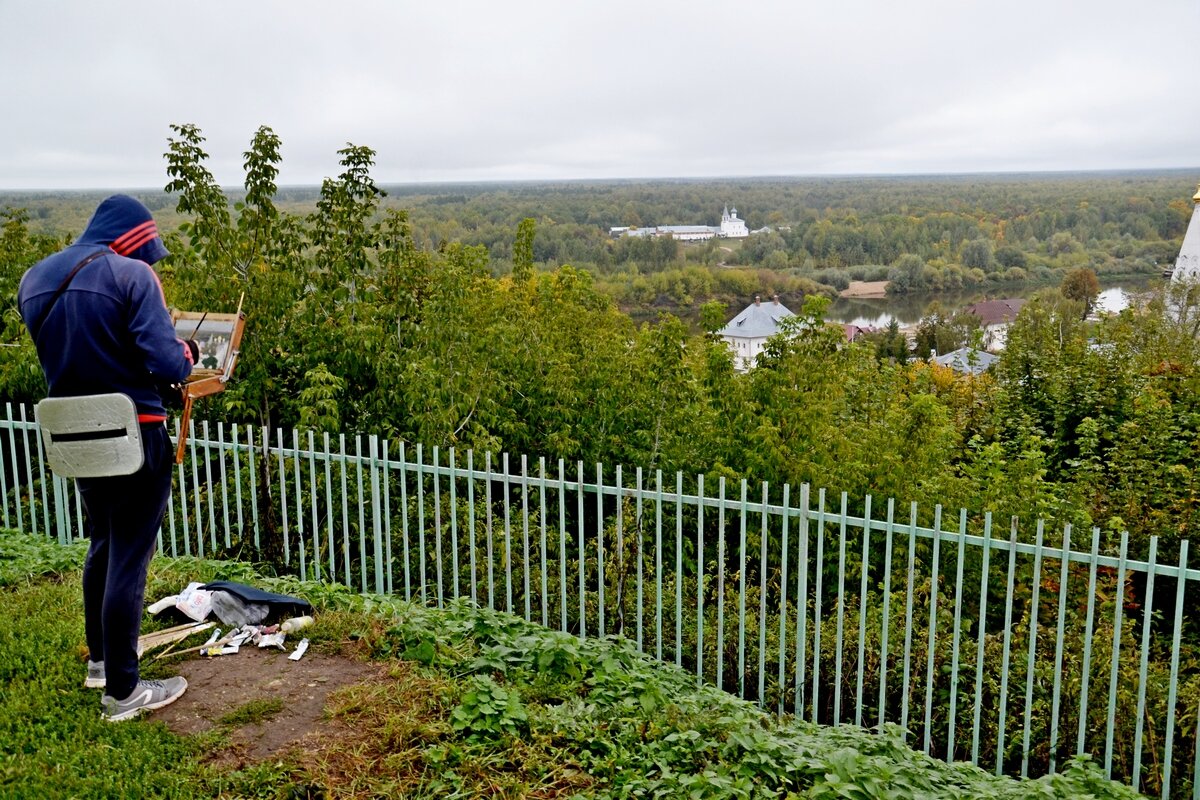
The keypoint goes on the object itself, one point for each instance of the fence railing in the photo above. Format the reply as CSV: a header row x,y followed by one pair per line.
x,y
1003,644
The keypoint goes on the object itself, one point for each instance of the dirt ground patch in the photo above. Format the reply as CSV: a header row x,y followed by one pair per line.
x,y
865,289
293,695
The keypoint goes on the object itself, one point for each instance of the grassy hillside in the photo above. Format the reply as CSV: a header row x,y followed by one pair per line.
x,y
470,703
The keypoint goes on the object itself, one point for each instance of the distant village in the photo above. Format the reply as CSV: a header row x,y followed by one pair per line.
x,y
747,333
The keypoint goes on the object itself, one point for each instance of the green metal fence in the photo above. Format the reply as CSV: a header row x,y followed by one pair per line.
x,y
999,642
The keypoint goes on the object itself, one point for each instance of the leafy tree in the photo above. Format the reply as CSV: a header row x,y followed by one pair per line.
x,y
907,274
890,343
21,378
941,332
523,250
1010,256
712,316
977,254
1082,286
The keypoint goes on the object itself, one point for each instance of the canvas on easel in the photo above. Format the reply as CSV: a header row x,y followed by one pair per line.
x,y
218,337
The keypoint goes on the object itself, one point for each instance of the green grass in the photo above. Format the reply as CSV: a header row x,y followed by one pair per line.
x,y
253,712
53,742
474,703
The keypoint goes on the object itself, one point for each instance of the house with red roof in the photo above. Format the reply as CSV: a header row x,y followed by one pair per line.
x,y
995,316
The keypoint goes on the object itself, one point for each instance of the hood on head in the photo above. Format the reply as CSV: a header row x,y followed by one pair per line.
x,y
125,225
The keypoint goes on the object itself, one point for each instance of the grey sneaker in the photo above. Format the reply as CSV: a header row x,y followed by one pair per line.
x,y
95,676
146,695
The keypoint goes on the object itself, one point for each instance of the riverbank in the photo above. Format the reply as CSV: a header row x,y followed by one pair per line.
x,y
877,311
865,289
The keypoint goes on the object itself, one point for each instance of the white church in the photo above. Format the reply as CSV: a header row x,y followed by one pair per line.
x,y
731,227
1187,265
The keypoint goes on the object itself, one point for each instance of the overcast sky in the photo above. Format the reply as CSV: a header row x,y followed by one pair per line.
x,y
448,91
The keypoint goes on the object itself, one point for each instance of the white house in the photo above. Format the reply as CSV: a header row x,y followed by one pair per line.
x,y
747,333
995,316
687,233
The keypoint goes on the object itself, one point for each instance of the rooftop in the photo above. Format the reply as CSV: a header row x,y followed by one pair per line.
x,y
758,320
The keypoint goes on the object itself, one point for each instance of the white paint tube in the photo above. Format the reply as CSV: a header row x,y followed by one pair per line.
x,y
299,651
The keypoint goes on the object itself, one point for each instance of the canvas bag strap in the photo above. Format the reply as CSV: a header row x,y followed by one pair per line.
x,y
62,287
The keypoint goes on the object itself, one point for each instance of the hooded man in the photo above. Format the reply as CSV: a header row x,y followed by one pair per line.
x,y
99,320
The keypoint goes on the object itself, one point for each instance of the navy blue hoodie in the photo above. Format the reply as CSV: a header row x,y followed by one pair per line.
x,y
110,331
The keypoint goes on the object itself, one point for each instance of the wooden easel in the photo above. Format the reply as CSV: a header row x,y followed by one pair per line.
x,y
207,381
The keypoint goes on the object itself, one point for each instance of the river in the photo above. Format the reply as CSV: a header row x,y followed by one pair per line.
x,y
910,309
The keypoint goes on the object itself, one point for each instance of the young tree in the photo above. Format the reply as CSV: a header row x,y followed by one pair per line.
x,y
939,332
523,250
977,254
1082,286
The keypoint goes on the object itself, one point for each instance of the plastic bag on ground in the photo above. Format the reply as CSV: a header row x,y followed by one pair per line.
x,y
195,602
278,605
232,610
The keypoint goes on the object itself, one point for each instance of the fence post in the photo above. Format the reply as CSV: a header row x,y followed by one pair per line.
x,y
1136,777
61,523
885,632
933,594
12,435
1119,607
1086,675
377,527
1172,694
783,603
981,640
908,616
699,577
1033,629
1008,612
862,610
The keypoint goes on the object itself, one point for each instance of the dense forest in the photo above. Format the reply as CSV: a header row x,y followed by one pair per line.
x,y
814,234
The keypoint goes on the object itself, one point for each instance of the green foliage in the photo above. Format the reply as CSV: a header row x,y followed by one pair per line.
x,y
488,710
252,712
21,377
645,729
1082,286
319,399
940,332
367,319
632,726
23,557
523,250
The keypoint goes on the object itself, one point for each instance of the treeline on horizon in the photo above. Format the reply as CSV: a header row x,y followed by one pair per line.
x,y
923,233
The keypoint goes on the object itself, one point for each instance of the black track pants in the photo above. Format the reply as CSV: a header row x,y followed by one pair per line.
x,y
123,515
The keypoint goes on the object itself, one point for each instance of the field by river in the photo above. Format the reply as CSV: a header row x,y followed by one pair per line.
x,y
909,309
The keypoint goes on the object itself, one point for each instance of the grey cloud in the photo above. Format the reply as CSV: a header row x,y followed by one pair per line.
x,y
475,90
